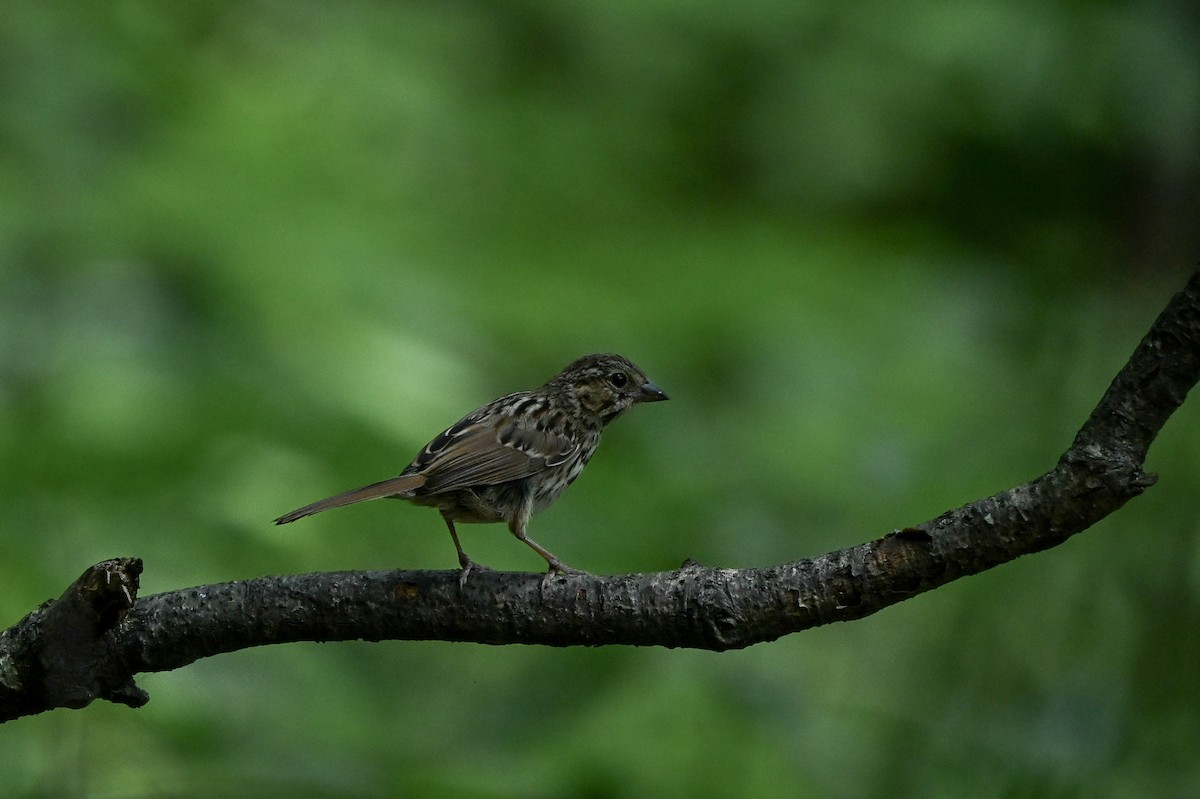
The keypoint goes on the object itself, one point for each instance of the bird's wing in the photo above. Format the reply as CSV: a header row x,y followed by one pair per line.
x,y
489,447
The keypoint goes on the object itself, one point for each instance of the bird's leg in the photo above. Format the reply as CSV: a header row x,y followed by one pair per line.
x,y
556,566
463,560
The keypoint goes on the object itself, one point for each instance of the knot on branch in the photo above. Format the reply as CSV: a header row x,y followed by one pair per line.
x,y
73,653
1096,468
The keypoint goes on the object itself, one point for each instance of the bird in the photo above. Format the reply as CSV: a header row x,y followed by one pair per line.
x,y
514,456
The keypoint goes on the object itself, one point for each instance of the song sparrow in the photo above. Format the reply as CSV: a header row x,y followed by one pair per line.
x,y
515,455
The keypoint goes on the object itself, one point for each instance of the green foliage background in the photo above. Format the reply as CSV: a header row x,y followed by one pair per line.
x,y
884,256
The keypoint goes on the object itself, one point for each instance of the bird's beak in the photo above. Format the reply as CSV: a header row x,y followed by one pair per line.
x,y
651,393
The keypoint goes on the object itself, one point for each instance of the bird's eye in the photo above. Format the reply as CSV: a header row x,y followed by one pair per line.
x,y
618,379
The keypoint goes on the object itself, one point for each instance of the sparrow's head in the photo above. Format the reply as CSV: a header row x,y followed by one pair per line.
x,y
606,385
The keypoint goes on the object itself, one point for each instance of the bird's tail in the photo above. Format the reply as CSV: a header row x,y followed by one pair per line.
x,y
386,488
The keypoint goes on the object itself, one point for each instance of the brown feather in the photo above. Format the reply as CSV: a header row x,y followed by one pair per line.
x,y
386,488
491,453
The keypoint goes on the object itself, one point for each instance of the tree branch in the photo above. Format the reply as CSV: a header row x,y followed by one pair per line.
x,y
92,641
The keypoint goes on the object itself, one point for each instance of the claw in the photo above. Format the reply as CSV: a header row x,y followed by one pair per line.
x,y
557,567
469,566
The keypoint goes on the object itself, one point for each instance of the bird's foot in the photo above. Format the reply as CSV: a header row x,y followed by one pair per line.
x,y
557,568
468,566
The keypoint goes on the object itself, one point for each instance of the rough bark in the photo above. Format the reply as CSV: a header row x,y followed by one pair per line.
x,y
91,642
